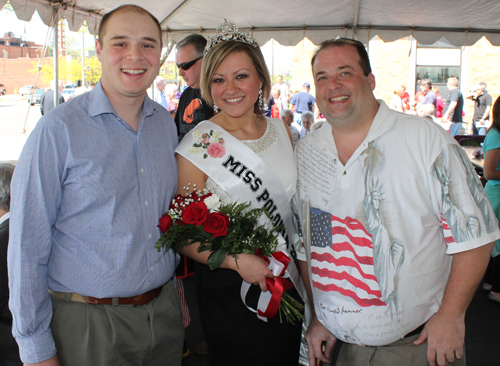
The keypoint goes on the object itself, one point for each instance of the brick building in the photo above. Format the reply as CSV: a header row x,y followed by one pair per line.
x,y
13,47
405,61
18,58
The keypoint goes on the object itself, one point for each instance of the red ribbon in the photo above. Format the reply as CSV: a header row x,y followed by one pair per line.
x,y
283,258
276,285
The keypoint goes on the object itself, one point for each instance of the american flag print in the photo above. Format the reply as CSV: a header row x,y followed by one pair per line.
x,y
342,258
448,236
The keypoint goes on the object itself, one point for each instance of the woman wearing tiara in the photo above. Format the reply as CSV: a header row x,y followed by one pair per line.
x,y
253,156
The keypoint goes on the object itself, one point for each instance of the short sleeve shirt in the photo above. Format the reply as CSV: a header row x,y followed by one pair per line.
x,y
455,96
492,141
379,231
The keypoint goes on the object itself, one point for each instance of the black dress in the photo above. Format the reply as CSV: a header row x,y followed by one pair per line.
x,y
234,334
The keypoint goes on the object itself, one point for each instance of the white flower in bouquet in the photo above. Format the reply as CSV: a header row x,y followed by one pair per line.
x,y
212,202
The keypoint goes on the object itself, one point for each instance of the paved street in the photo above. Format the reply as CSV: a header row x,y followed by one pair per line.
x,y
13,113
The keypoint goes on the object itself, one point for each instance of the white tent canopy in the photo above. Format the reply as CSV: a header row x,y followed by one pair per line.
x,y
462,22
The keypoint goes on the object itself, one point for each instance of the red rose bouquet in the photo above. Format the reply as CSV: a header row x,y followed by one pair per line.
x,y
223,229
228,229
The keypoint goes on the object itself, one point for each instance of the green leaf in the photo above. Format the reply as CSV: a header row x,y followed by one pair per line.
x,y
216,258
205,156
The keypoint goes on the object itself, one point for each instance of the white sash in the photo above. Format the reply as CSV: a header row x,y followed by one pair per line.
x,y
241,173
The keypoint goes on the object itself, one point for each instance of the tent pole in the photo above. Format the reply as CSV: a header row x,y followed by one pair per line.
x,y
356,18
163,23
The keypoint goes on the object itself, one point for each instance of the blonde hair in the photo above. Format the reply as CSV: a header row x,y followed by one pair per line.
x,y
215,57
453,81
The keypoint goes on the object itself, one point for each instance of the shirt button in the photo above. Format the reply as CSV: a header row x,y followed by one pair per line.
x,y
146,203
150,236
152,269
345,172
142,170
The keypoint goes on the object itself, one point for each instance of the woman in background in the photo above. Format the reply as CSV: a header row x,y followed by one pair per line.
x,y
491,149
439,102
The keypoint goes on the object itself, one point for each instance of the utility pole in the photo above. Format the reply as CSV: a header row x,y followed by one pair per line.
x,y
83,59
56,63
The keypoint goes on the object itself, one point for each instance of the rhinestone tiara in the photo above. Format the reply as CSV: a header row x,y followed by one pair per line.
x,y
228,31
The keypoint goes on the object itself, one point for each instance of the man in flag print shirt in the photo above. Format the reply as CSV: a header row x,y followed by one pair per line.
x,y
397,229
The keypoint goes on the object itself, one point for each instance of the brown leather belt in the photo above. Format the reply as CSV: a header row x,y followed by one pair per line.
x,y
138,300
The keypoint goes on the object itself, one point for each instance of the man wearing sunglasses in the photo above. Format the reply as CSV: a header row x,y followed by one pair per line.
x,y
192,108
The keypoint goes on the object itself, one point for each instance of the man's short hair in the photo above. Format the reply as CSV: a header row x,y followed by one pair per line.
x,y
364,61
427,108
160,79
426,82
307,115
483,83
453,81
6,171
196,40
126,8
284,111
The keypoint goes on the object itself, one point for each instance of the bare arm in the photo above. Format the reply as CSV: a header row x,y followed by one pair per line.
x,y
450,110
486,112
445,331
470,95
490,164
250,267
316,333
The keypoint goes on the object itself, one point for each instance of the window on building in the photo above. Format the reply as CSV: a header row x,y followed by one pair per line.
x,y
438,62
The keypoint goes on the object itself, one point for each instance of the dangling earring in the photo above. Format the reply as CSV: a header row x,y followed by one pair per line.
x,y
216,109
261,100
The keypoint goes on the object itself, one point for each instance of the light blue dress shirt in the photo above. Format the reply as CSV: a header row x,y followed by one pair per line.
x,y
161,99
87,194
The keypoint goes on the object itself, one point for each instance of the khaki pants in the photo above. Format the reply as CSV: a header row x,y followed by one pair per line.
x,y
106,335
399,353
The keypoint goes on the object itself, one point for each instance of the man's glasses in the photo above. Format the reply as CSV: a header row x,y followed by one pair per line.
x,y
187,65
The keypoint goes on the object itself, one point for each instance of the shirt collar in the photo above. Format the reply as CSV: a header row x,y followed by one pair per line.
x,y
384,121
4,217
100,104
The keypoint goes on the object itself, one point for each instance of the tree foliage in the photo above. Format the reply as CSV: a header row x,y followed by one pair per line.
x,y
70,69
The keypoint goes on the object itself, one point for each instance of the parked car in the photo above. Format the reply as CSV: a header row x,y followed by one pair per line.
x,y
68,94
69,86
27,90
3,91
35,98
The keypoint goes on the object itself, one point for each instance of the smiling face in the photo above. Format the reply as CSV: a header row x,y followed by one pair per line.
x,y
192,75
130,56
235,85
343,93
